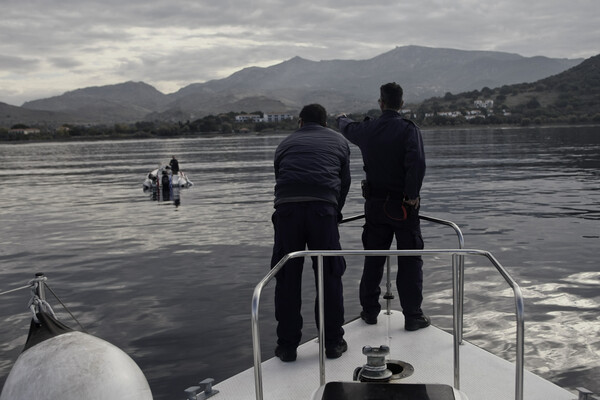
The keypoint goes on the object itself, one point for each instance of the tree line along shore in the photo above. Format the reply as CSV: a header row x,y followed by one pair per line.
x,y
225,124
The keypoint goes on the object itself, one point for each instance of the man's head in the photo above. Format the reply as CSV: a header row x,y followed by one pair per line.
x,y
314,113
390,97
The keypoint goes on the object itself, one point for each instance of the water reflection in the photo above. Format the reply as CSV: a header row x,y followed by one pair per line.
x,y
529,196
165,195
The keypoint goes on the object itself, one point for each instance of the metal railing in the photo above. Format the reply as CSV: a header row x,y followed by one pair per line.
x,y
457,290
461,269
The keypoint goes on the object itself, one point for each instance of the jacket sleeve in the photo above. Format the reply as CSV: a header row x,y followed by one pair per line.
x,y
276,164
350,129
345,179
414,163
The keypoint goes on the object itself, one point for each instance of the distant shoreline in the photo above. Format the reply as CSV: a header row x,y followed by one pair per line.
x,y
504,127
210,135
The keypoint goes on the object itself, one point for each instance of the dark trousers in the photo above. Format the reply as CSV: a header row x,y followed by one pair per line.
x,y
383,221
311,224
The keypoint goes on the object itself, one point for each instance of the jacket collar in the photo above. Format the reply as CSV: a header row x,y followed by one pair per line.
x,y
390,113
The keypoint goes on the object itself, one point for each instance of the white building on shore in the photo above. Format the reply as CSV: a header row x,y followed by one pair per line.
x,y
24,131
277,116
268,117
248,118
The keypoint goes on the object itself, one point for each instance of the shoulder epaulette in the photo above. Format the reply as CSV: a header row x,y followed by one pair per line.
x,y
410,121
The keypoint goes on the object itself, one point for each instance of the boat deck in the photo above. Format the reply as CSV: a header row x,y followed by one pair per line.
x,y
483,376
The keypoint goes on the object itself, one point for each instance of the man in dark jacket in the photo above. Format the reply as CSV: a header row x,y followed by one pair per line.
x,y
394,162
174,165
312,172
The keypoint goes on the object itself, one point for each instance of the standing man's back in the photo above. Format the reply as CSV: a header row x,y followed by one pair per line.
x,y
394,162
392,150
312,172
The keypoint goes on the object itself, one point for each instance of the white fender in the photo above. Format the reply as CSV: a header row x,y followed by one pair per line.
x,y
73,366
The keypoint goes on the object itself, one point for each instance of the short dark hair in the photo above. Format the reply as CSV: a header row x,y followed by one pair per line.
x,y
314,113
391,95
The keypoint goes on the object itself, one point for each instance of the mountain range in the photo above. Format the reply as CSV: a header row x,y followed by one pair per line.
x,y
340,85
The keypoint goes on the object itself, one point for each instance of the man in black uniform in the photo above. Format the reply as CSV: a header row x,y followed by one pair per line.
x,y
312,172
174,165
394,162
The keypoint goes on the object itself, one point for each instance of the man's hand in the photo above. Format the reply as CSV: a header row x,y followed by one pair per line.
x,y
412,202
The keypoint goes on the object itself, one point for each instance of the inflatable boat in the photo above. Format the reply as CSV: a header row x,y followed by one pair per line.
x,y
163,176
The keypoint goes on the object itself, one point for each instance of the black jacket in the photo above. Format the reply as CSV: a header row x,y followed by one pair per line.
x,y
312,163
392,151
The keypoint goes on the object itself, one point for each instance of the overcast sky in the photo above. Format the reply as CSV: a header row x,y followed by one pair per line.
x,y
50,47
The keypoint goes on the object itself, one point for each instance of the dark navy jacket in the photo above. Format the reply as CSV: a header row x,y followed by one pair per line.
x,y
311,164
392,151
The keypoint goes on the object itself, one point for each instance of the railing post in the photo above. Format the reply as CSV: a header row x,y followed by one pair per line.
x,y
321,297
461,295
455,314
258,389
461,278
255,325
388,296
520,311
40,278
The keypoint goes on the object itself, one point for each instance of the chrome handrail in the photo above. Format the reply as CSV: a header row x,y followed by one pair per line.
x,y
455,253
461,270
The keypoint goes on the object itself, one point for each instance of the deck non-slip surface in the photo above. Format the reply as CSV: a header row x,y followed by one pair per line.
x,y
483,376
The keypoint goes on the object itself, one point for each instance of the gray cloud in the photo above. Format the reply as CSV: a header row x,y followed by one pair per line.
x,y
64,63
54,47
14,64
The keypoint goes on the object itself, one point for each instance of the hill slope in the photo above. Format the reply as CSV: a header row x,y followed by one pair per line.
x,y
571,96
12,115
125,102
353,85
340,85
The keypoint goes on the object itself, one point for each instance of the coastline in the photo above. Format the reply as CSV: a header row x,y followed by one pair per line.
x,y
198,135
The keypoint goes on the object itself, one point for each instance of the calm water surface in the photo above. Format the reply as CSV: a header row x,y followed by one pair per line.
x,y
172,285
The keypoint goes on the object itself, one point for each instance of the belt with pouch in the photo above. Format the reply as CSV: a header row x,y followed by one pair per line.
x,y
370,192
